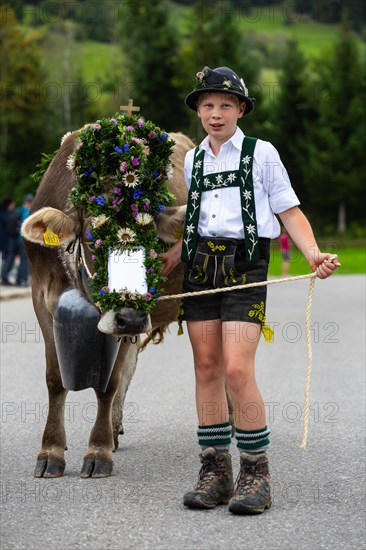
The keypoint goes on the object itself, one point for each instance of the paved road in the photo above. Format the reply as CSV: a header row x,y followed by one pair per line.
x,y
318,494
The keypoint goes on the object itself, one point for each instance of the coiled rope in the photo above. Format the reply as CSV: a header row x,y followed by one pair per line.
x,y
312,277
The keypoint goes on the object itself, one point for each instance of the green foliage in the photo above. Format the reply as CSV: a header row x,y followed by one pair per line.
x,y
42,166
289,114
121,168
21,105
336,134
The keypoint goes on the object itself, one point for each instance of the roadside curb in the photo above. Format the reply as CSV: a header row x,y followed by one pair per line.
x,y
11,293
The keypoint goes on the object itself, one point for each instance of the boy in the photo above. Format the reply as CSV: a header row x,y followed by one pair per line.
x,y
236,186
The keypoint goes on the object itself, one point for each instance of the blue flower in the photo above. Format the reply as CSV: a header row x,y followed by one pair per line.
x,y
156,173
152,290
163,136
137,194
100,200
118,150
89,236
161,207
126,148
88,172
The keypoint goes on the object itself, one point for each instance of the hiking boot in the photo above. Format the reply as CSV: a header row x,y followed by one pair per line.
x,y
215,482
252,494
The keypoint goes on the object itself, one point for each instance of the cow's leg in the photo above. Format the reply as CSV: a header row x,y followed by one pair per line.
x,y
51,459
128,369
98,459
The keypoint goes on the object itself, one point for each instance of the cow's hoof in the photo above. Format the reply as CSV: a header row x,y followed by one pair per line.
x,y
49,467
96,468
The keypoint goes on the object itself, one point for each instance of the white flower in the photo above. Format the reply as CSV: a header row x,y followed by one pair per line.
x,y
65,137
190,228
250,228
130,179
227,83
206,182
198,164
99,221
194,195
144,219
170,172
70,163
231,177
125,235
219,178
246,160
247,195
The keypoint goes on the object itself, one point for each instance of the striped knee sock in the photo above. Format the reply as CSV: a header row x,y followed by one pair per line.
x,y
252,440
215,435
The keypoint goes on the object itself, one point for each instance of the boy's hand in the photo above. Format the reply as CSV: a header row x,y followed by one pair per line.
x,y
171,258
325,264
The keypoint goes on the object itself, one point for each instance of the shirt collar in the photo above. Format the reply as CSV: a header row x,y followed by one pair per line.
x,y
236,140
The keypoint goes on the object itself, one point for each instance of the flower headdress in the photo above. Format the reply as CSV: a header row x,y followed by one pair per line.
x,y
120,166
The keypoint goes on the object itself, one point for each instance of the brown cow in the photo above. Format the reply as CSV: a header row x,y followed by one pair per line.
x,y
53,270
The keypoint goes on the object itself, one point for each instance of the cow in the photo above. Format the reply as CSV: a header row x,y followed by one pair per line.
x,y
54,269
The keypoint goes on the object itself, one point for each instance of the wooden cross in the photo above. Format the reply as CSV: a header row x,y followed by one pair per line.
x,y
129,108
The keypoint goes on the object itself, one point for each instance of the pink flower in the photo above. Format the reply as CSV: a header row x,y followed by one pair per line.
x,y
134,207
140,123
79,145
117,191
113,120
93,258
98,243
91,198
146,206
151,135
135,161
130,128
200,75
123,166
147,297
96,126
153,253
136,140
151,270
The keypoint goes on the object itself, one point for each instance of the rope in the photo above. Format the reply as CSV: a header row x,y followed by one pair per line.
x,y
310,276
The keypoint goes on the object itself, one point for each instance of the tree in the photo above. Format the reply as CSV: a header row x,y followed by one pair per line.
x,y
336,143
151,44
21,105
289,113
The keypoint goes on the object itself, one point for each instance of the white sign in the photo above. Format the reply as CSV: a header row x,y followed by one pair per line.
x,y
126,271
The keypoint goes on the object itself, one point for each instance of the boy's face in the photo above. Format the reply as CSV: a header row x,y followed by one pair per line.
x,y
219,114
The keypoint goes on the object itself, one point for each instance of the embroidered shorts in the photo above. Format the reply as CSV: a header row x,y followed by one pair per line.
x,y
219,263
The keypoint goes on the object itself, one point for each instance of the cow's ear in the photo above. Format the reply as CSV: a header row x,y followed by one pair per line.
x,y
49,227
170,223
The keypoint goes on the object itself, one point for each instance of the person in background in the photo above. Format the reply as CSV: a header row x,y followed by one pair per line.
x,y
15,243
285,247
7,206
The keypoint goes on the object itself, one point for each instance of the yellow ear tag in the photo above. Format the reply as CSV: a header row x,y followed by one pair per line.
x,y
50,238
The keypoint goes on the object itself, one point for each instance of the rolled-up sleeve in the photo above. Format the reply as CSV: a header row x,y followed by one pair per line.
x,y
275,179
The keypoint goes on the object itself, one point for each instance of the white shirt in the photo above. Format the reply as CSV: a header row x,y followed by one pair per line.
x,y
220,213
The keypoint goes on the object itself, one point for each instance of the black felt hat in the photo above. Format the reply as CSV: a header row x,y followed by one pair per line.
x,y
221,79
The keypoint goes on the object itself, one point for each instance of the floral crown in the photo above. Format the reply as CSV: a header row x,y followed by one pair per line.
x,y
121,166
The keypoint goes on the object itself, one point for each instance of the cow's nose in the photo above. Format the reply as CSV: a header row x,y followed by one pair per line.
x,y
131,324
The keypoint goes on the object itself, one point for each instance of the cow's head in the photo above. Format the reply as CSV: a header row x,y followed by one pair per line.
x,y
68,227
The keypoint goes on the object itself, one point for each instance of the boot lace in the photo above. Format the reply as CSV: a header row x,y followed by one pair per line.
x,y
249,478
209,472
